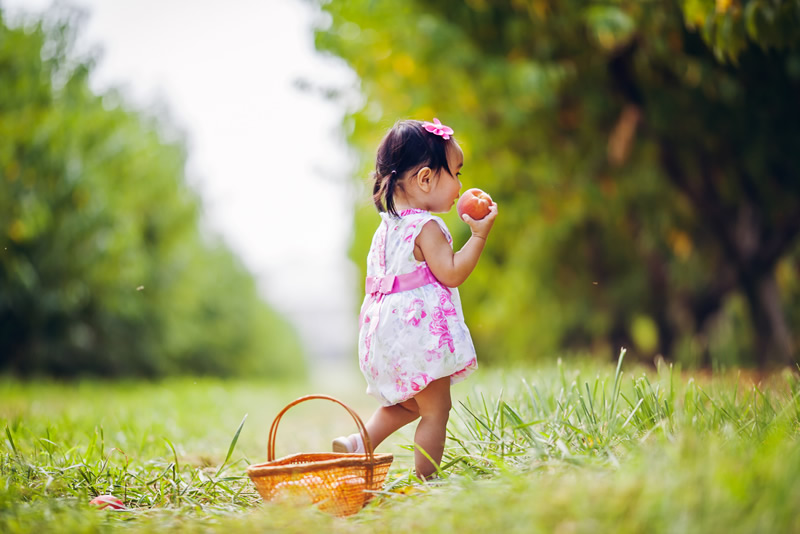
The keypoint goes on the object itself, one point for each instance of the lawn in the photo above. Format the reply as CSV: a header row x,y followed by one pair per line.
x,y
573,447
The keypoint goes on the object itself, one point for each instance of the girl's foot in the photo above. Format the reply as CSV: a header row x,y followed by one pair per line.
x,y
348,444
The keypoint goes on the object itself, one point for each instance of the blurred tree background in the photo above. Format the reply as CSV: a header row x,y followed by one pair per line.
x,y
645,156
104,266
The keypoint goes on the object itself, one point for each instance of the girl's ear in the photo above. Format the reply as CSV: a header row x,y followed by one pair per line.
x,y
424,178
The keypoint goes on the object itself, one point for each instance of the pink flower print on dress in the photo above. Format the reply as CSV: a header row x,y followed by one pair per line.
x,y
397,366
431,355
367,344
415,313
400,386
419,382
411,227
447,339
446,303
439,328
367,337
438,322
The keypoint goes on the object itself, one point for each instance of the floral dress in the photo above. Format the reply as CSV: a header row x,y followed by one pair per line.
x,y
407,339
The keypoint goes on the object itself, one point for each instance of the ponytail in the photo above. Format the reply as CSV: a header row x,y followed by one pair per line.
x,y
383,189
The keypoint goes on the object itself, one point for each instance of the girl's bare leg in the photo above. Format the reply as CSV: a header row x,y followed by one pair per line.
x,y
433,404
388,419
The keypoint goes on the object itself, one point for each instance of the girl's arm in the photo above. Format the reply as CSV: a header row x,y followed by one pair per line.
x,y
450,268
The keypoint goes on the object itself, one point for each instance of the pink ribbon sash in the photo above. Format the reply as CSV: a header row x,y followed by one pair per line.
x,y
403,282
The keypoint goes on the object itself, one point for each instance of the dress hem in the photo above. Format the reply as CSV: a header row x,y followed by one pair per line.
x,y
455,378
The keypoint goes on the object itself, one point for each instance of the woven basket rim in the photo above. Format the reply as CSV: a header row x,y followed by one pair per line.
x,y
316,461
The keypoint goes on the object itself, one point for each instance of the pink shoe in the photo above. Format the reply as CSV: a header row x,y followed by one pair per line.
x,y
352,444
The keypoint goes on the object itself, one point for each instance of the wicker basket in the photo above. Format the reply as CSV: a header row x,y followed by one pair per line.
x,y
337,483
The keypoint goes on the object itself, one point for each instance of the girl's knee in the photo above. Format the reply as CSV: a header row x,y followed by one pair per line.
x,y
435,399
437,410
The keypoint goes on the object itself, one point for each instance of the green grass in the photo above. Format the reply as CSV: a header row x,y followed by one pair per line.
x,y
558,448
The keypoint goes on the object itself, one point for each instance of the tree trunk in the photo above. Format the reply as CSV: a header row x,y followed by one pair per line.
x,y
774,343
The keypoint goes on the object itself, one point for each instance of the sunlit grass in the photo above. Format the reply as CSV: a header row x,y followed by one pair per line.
x,y
559,448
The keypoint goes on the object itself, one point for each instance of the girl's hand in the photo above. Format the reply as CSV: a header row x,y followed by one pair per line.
x,y
481,227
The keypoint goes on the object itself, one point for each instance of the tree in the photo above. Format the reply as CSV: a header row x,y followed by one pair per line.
x,y
642,155
103,267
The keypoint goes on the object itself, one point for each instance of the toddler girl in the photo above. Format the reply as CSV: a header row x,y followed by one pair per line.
x,y
413,343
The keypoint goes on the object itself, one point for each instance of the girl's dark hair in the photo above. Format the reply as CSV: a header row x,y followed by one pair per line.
x,y
407,146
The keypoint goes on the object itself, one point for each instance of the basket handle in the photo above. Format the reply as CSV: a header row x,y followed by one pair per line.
x,y
361,428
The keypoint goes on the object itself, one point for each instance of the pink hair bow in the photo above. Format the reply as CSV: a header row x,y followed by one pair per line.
x,y
437,128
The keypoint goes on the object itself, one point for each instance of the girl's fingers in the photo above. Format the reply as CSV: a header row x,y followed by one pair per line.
x,y
482,225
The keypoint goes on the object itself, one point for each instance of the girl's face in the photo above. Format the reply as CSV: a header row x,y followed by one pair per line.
x,y
447,187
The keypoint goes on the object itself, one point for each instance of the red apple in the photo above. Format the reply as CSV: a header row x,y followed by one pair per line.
x,y
474,203
107,501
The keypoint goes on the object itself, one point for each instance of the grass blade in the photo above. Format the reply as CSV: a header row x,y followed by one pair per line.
x,y
11,441
232,446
